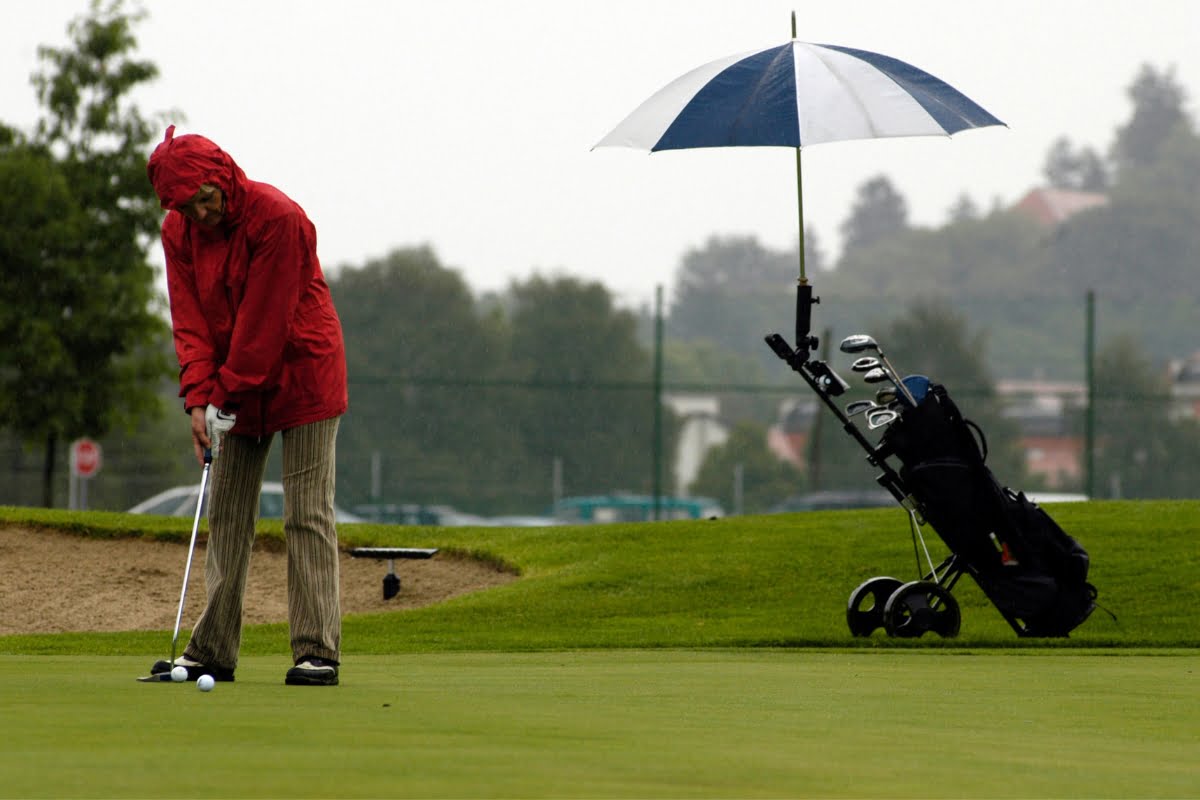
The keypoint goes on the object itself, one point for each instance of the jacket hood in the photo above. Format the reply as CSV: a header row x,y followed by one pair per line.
x,y
178,166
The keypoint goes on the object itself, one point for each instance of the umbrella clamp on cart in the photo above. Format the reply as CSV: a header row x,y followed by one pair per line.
x,y
800,94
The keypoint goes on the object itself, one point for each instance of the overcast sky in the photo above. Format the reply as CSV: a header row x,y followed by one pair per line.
x,y
468,126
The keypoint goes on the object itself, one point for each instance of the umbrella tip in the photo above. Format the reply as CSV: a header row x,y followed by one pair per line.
x,y
793,24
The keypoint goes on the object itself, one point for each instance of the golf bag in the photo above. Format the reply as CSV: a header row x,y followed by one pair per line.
x,y
1031,570
1027,566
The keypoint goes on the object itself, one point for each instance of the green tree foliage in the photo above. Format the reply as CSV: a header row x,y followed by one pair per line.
x,y
79,324
963,209
1158,109
733,291
470,404
426,418
1140,451
1079,170
1139,252
766,480
879,212
591,403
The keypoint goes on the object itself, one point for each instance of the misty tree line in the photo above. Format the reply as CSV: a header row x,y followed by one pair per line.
x,y
478,401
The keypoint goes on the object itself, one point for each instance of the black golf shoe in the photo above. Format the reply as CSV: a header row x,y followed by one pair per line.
x,y
194,669
311,671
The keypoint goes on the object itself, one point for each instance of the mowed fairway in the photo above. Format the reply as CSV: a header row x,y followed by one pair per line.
x,y
615,723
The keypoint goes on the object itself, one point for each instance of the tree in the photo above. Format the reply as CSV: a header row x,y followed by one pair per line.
x,y
80,327
1067,168
425,405
964,209
590,401
879,212
733,291
1140,451
1158,103
765,478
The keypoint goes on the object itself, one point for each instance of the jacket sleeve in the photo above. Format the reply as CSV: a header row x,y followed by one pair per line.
x,y
282,252
193,338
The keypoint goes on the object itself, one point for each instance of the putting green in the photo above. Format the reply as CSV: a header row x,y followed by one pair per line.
x,y
659,723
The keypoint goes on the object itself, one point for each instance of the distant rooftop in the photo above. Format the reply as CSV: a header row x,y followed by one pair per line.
x,y
1052,207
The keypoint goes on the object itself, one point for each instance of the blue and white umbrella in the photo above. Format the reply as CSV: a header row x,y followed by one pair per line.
x,y
797,95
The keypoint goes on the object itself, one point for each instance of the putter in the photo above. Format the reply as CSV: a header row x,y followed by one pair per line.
x,y
187,572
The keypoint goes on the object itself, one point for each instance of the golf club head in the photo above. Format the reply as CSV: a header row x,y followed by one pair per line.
x,y
865,364
876,375
886,416
859,407
858,343
886,396
162,677
917,385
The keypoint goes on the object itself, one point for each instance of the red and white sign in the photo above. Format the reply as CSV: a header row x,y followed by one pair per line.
x,y
86,458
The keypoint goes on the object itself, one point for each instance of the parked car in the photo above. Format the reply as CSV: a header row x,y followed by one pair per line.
x,y
633,508
416,514
522,521
833,500
180,501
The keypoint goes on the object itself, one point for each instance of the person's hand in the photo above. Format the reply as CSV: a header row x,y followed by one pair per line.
x,y
217,423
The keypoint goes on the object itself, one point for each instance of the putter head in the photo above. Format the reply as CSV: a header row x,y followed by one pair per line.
x,y
858,343
162,677
865,364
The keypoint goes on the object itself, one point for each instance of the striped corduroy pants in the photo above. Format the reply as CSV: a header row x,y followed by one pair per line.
x,y
314,611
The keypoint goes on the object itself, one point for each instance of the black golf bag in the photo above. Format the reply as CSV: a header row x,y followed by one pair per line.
x,y
1031,570
1027,566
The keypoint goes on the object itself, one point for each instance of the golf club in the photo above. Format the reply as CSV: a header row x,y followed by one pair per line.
x,y
859,406
861,342
885,396
865,364
187,570
886,416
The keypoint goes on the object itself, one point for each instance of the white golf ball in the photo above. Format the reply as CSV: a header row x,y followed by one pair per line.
x,y
179,674
205,683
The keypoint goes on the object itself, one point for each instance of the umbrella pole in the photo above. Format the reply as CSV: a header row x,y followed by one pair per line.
x,y
804,290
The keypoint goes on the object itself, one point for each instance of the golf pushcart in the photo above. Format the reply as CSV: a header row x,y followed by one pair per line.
x,y
1026,565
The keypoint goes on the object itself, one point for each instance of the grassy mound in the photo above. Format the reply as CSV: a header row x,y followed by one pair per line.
x,y
780,580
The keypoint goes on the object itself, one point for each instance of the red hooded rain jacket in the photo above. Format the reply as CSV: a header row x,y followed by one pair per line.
x,y
255,329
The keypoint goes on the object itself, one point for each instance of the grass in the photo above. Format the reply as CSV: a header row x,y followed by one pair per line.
x,y
683,659
763,581
615,723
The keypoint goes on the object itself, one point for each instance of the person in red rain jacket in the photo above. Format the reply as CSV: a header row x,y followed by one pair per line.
x,y
260,352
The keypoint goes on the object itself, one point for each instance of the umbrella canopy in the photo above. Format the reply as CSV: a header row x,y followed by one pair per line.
x,y
796,95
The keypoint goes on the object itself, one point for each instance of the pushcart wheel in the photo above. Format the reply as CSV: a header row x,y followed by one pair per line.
x,y
921,606
865,611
